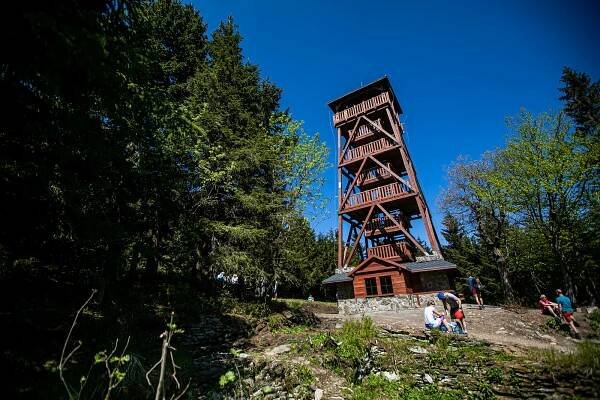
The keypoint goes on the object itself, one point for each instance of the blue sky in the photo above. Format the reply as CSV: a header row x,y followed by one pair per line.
x,y
458,68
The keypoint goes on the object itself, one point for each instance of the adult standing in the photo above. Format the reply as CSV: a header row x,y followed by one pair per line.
x,y
475,288
453,302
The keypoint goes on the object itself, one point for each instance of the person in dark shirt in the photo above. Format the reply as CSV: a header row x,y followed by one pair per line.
x,y
475,288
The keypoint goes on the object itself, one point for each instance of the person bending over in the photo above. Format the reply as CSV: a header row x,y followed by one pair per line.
x,y
448,299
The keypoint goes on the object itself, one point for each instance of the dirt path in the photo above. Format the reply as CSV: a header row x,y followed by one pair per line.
x,y
508,329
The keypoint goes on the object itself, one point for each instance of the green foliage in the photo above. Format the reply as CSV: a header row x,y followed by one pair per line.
x,y
553,324
354,338
299,375
582,101
377,387
168,155
495,375
227,378
594,321
531,205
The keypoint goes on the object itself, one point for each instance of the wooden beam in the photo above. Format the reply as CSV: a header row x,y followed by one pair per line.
x,y
341,247
350,137
395,175
393,122
364,225
382,130
405,231
348,192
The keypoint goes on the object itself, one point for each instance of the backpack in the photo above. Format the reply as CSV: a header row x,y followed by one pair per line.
x,y
471,282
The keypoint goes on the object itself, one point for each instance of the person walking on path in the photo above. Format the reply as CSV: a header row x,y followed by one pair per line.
x,y
434,319
475,288
566,308
455,308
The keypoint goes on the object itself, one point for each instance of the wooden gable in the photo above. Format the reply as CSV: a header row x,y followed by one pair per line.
x,y
375,268
374,264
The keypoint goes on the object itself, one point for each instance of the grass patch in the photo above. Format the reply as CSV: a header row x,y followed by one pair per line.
x,y
585,359
292,330
377,387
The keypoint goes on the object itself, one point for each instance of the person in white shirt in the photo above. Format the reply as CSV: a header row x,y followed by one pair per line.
x,y
433,319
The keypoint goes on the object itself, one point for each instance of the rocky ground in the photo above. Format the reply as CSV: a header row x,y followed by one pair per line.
x,y
295,354
519,328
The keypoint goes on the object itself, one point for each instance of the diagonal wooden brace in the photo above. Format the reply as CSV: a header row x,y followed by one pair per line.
x,y
404,231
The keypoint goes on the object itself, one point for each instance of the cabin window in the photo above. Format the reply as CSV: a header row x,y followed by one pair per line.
x,y
371,286
386,285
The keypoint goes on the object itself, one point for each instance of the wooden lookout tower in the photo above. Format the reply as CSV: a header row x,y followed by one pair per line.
x,y
379,198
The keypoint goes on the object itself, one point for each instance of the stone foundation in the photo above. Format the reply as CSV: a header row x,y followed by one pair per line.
x,y
364,305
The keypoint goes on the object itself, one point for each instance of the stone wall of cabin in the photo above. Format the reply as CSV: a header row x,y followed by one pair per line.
x,y
365,305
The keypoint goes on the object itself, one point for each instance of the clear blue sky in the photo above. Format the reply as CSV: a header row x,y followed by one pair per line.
x,y
458,68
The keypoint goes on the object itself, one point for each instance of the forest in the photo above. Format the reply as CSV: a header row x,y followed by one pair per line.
x,y
142,156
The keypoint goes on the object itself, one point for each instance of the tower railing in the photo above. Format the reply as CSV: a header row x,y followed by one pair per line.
x,y
374,174
366,129
397,250
369,148
361,107
381,223
378,193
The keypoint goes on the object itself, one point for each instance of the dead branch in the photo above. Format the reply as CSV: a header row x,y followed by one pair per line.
x,y
64,359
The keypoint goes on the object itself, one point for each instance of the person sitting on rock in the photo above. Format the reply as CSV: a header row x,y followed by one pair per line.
x,y
433,319
455,308
547,307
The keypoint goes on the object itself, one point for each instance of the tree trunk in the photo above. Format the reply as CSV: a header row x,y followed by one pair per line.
x,y
153,259
500,262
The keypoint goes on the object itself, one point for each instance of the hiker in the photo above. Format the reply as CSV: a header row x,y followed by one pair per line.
x,y
434,319
455,308
566,309
548,308
475,288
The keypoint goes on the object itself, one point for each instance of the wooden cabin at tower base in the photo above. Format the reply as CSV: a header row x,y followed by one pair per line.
x,y
378,277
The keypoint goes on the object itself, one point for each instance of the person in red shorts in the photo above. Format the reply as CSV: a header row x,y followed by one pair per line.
x,y
547,307
566,308
475,288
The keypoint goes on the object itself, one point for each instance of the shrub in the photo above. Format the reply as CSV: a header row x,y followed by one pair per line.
x,y
355,338
594,320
